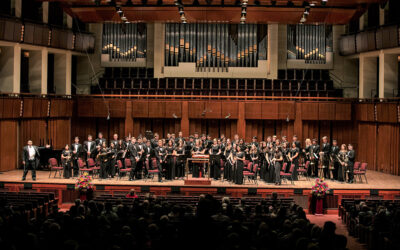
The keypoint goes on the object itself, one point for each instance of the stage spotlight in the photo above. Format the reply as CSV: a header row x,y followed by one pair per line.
x,y
323,2
290,3
273,2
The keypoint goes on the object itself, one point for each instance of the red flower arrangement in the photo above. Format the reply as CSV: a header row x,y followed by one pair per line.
x,y
320,188
84,182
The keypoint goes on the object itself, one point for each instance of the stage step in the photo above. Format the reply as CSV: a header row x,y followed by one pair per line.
x,y
198,181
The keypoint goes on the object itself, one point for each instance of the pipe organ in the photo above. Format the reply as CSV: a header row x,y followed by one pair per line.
x,y
309,42
215,45
124,41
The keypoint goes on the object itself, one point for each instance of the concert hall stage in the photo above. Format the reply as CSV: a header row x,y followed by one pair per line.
x,y
379,186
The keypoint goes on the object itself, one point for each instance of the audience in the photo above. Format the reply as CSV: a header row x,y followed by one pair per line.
x,y
153,223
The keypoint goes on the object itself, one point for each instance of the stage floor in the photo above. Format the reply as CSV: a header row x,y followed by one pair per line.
x,y
376,180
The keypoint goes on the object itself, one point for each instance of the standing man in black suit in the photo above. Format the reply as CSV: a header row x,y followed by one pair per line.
x,y
100,139
89,147
77,150
325,152
30,159
115,141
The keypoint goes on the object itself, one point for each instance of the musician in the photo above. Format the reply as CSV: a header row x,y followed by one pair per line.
x,y
170,161
240,158
254,158
188,149
100,139
351,155
314,157
115,140
180,161
278,160
334,153
154,141
148,154
197,168
30,159
235,139
180,137
295,140
284,140
270,168
254,141
134,157
325,152
160,153
66,156
262,160
294,159
113,151
89,147
140,164
343,161
215,151
77,150
274,139
102,157
229,161
307,151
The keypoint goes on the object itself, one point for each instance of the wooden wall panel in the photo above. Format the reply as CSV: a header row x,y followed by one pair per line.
x,y
84,108
324,130
367,143
82,127
388,148
309,111
59,132
269,130
213,110
284,128
10,108
196,110
269,110
173,110
100,108
310,130
343,111
228,128
140,109
27,108
197,125
287,110
63,108
253,110
35,108
326,111
34,130
117,108
160,126
230,109
9,145
386,112
254,128
345,132
157,109
365,112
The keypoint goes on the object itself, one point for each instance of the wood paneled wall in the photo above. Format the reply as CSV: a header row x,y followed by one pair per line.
x,y
373,128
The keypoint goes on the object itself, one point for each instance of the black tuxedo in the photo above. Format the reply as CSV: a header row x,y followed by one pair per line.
x,y
315,157
99,141
326,148
75,157
334,153
32,164
92,149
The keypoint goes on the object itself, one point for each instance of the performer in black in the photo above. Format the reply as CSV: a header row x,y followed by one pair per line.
x,y
307,154
314,157
30,159
170,161
180,161
334,154
228,161
278,160
240,157
294,159
215,152
102,157
66,158
134,157
254,159
197,167
160,154
325,152
100,139
342,158
77,150
351,155
89,147
113,160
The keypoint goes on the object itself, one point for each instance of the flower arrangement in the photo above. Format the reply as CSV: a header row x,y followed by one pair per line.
x,y
320,188
84,182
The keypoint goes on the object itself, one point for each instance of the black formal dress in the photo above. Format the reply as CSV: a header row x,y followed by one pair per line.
x,y
295,161
170,164
215,169
335,162
180,162
342,155
278,166
67,163
228,165
239,168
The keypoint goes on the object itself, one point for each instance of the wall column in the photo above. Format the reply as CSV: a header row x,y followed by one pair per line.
x,y
45,57
18,8
35,71
241,122
128,119
45,9
159,46
388,74
68,72
367,76
17,69
185,118
62,73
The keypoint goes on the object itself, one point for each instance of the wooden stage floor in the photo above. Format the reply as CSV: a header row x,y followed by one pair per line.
x,y
376,180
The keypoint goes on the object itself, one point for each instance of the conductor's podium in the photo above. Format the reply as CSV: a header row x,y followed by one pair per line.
x,y
203,181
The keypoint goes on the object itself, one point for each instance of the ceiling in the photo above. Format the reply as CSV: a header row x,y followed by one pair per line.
x,y
258,11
